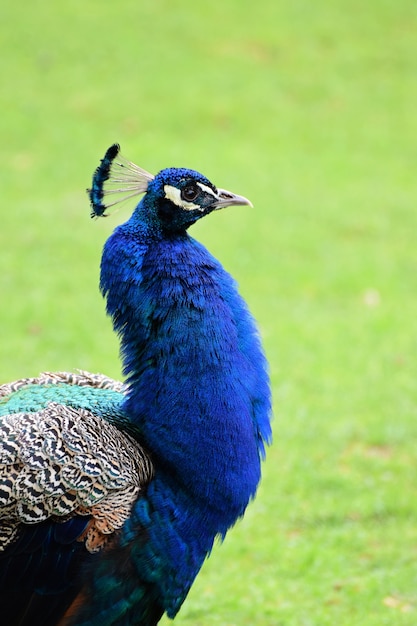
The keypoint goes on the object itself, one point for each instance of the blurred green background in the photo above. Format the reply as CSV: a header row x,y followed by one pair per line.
x,y
310,110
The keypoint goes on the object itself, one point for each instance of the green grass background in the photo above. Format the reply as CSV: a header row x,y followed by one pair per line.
x,y
309,109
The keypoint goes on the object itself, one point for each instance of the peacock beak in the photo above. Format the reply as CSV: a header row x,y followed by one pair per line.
x,y
227,198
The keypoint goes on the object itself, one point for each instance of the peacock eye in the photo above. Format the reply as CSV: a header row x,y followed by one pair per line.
x,y
190,192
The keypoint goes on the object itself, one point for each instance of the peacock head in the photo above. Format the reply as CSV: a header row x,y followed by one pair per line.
x,y
176,197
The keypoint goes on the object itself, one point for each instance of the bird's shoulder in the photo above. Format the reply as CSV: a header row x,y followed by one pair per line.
x,y
65,451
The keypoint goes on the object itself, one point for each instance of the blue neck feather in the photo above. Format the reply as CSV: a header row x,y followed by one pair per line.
x,y
198,385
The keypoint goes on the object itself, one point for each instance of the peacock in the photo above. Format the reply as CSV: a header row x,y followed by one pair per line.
x,y
112,493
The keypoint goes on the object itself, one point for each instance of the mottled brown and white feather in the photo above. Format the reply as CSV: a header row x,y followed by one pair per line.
x,y
61,461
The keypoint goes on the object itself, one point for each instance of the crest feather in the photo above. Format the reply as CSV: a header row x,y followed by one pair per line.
x,y
117,178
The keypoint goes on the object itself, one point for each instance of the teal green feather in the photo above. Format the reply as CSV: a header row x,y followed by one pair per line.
x,y
105,403
36,397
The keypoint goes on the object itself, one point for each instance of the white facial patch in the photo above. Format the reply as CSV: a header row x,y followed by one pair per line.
x,y
174,194
207,189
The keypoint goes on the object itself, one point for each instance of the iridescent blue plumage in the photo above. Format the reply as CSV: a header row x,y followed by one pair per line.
x,y
196,398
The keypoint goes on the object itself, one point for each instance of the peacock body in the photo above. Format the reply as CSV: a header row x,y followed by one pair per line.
x,y
111,494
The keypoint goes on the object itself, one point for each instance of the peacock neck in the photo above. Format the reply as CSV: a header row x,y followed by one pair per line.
x,y
169,301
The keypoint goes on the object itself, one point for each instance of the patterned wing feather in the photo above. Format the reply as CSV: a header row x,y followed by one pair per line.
x,y
62,461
